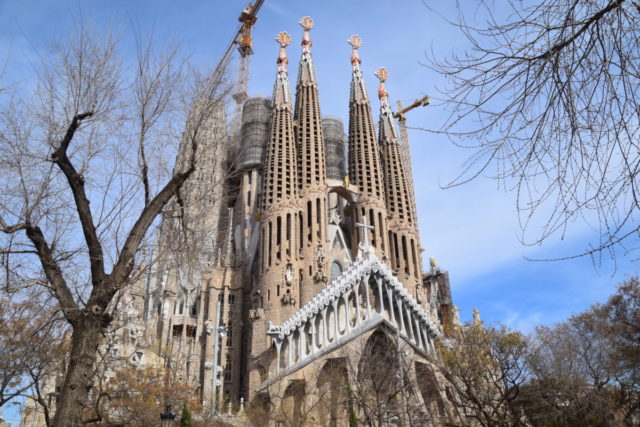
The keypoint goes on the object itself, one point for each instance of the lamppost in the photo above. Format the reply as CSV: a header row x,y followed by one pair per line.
x,y
219,331
166,418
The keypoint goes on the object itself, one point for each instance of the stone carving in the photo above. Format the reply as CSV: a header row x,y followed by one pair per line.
x,y
255,314
319,256
420,295
288,299
288,275
476,317
334,217
320,276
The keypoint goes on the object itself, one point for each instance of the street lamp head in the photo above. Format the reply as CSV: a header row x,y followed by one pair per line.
x,y
166,418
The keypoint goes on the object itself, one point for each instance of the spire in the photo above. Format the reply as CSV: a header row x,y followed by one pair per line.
x,y
280,166
387,129
281,90
358,89
397,190
312,166
364,163
306,71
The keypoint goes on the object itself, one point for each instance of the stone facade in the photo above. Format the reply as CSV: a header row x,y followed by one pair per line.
x,y
275,263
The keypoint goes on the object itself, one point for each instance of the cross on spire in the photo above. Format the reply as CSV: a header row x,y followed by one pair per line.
x,y
365,227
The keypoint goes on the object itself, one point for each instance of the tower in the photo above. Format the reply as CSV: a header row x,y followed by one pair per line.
x,y
312,174
402,234
364,159
276,290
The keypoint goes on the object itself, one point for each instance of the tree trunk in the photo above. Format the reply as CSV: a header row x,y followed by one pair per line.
x,y
87,332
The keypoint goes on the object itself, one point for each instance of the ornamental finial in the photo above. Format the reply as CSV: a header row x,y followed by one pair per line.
x,y
283,38
307,24
355,43
382,74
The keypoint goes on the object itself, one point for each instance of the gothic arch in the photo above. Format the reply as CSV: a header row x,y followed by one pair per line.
x,y
292,404
259,409
378,385
429,388
332,386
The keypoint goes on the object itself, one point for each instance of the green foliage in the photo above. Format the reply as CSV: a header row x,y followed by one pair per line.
x,y
185,417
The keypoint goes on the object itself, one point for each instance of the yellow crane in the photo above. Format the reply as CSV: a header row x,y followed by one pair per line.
x,y
242,39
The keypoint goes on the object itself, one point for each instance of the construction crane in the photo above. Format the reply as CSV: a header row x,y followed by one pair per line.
x,y
405,151
247,19
242,39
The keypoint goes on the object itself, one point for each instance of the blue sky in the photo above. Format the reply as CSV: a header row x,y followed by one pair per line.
x,y
471,230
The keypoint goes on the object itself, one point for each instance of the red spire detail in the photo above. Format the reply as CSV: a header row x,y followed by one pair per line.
x,y
307,24
382,74
355,43
283,40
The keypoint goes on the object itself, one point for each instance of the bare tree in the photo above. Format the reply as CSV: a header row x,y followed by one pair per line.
x,y
384,386
85,175
547,96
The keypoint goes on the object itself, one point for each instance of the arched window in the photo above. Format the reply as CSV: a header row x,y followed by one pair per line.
x,y
336,270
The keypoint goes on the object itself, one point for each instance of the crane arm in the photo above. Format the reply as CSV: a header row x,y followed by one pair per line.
x,y
421,102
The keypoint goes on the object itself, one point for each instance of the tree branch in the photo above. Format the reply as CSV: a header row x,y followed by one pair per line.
x,y
54,274
125,261
76,184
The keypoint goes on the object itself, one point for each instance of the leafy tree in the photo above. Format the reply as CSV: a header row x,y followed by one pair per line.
x,y
547,95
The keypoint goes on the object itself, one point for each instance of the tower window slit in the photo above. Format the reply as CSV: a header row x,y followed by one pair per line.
x,y
318,218
301,232
372,221
413,258
263,246
397,253
381,230
279,238
270,241
405,255
309,218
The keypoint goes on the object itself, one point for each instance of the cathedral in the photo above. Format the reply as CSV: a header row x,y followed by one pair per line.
x,y
290,266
